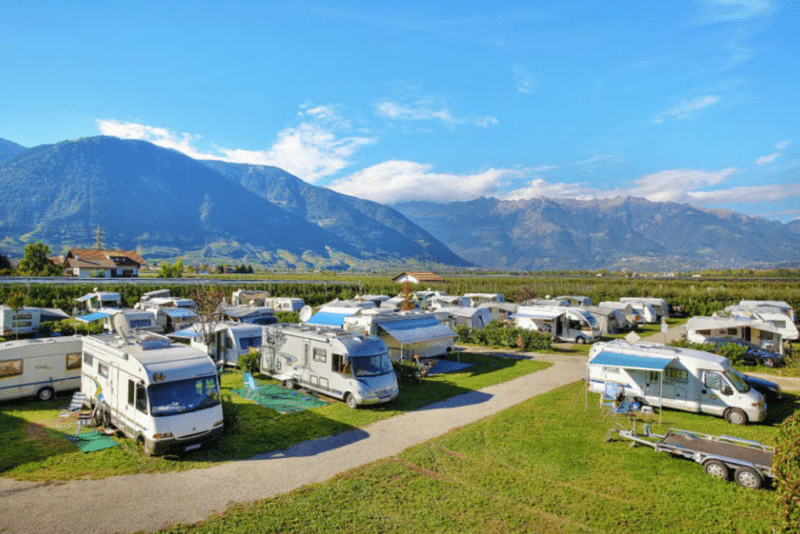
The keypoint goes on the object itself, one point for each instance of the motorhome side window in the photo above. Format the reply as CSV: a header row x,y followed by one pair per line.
x,y
10,368
88,358
713,381
141,398
320,355
338,365
677,375
102,369
731,331
74,360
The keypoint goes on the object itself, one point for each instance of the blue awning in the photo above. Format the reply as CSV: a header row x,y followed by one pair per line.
x,y
187,333
93,317
179,313
416,330
631,361
329,318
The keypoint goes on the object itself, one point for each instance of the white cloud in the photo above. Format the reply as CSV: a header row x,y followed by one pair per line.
x,y
311,150
526,81
746,194
687,108
397,181
426,112
781,145
767,159
733,10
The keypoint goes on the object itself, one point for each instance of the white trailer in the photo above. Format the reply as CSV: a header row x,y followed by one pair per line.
x,y
563,323
170,313
659,306
476,299
760,333
100,300
769,314
672,377
336,363
163,395
224,342
40,367
475,318
407,334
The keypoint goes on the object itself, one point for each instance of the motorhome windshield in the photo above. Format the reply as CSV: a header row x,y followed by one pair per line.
x,y
183,396
364,366
737,381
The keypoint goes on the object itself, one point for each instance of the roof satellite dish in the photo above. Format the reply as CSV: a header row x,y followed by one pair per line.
x,y
121,325
305,313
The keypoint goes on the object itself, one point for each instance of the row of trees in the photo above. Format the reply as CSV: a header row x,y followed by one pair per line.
x,y
35,263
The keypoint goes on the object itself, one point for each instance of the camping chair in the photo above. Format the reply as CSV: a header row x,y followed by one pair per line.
x,y
87,418
250,384
75,405
620,409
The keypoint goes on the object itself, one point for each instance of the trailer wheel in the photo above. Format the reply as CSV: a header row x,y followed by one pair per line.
x,y
580,340
736,416
350,399
45,394
716,469
748,477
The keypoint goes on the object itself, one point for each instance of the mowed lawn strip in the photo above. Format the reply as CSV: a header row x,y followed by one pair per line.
x,y
541,466
32,449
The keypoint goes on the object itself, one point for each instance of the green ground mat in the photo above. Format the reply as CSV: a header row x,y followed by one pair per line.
x,y
279,399
87,441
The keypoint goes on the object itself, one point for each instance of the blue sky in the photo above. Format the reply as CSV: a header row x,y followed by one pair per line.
x,y
687,101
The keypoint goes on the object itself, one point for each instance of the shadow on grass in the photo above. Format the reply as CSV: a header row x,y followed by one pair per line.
x,y
317,446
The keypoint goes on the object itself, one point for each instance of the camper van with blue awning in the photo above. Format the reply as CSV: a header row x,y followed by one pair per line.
x,y
407,334
672,377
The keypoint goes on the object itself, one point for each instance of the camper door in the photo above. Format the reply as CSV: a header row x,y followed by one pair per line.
x,y
714,389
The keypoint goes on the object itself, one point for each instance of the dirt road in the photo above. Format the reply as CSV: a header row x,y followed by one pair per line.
x,y
148,502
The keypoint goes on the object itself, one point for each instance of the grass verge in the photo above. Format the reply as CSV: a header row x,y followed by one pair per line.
x,y
541,466
29,451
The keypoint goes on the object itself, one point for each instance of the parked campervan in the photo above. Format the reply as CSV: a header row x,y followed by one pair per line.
x,y
39,367
225,342
672,377
100,300
343,365
406,334
163,395
563,323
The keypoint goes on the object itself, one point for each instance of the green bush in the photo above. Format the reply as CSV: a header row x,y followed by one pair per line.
x,y
735,353
407,372
287,317
497,334
787,473
249,361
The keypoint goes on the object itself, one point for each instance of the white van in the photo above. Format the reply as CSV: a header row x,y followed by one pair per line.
x,y
39,367
347,366
163,395
562,323
672,377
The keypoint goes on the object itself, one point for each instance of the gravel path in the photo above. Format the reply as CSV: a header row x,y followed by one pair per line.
x,y
149,502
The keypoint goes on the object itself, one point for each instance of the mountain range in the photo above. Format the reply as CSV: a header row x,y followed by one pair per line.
x,y
167,206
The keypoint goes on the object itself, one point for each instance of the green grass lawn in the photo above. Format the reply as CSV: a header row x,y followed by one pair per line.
x,y
30,453
541,466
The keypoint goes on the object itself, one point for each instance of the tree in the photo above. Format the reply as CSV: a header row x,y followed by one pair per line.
x,y
5,266
36,262
171,271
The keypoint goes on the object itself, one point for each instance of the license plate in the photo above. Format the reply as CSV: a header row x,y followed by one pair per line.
x,y
192,447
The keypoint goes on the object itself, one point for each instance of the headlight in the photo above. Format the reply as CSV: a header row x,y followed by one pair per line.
x,y
162,436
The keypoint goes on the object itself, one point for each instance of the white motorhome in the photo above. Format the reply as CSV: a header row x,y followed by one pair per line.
x,y
659,306
347,366
672,377
226,341
407,334
475,318
100,300
783,306
163,395
769,314
762,334
170,313
562,323
39,368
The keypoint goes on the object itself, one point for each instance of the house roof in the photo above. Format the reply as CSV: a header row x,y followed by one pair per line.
x,y
101,259
422,276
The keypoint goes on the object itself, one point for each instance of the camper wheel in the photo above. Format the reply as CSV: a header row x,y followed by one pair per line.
x,y
45,394
350,399
717,469
580,340
748,477
736,416
768,362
